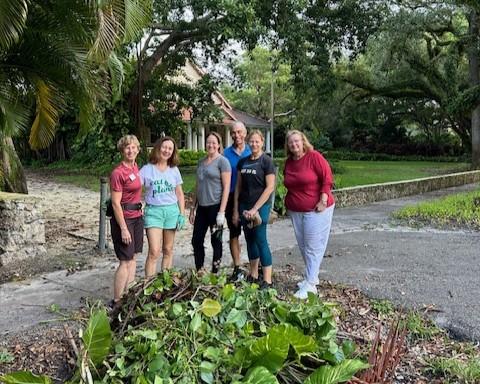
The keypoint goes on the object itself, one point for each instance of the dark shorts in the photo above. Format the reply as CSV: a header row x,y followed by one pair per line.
x,y
235,231
127,251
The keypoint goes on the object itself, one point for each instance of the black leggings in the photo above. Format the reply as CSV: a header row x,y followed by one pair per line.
x,y
206,217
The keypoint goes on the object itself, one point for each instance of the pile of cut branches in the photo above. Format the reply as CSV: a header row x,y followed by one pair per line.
x,y
185,329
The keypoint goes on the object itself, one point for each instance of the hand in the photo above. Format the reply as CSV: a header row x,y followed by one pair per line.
x,y
220,219
180,222
191,216
126,237
321,206
250,213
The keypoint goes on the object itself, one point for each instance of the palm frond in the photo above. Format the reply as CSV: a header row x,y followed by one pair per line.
x,y
138,15
117,75
109,32
48,106
13,15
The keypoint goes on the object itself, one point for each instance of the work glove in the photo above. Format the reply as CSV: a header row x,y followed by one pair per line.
x,y
180,222
220,219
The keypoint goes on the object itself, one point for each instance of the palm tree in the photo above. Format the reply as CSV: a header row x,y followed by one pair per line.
x,y
51,50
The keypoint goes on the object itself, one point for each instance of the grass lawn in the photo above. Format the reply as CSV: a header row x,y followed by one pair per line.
x,y
460,210
353,173
373,172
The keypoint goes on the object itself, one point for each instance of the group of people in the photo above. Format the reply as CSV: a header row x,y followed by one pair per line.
x,y
235,187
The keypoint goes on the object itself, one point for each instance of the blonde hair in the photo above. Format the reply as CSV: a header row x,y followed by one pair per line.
x,y
219,139
154,157
256,132
126,140
307,147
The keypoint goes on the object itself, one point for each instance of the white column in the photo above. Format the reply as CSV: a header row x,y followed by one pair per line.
x,y
228,138
201,139
189,135
195,140
267,141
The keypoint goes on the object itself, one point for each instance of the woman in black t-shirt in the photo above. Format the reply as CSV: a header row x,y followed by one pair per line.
x,y
255,184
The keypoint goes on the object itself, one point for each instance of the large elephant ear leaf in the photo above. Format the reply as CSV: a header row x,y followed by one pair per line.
x,y
340,373
22,377
97,337
260,375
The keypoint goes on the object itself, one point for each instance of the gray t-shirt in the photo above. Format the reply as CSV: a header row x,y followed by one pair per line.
x,y
209,180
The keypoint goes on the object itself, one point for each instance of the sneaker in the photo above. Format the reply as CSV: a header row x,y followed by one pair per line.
x,y
300,284
265,285
237,275
250,279
302,293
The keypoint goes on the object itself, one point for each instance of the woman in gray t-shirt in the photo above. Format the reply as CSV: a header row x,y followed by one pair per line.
x,y
211,195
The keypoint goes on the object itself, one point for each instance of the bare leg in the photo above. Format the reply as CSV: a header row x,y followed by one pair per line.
x,y
167,248
235,251
267,274
120,280
254,268
155,239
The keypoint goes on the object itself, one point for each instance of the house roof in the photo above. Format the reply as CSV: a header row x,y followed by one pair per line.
x,y
249,120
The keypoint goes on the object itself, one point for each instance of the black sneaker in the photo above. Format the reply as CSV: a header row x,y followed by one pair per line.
x,y
237,275
265,285
250,279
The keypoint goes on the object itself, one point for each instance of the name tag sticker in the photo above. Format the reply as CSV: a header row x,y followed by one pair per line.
x,y
132,177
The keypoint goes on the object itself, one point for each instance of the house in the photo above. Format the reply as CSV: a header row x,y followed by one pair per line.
x,y
194,138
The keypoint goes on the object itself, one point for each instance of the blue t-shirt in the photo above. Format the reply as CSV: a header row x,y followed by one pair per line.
x,y
233,157
160,186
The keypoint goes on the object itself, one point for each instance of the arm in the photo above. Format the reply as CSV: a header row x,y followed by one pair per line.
x,y
238,187
325,178
118,213
181,198
270,186
226,179
191,216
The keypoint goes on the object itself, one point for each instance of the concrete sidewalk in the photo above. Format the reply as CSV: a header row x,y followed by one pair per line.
x,y
413,268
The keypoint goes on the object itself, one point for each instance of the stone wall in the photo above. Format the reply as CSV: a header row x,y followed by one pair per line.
x,y
360,195
22,228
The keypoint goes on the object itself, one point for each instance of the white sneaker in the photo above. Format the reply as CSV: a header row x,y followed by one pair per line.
x,y
302,293
300,284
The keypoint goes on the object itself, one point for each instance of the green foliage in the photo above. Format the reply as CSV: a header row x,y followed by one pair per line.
x,y
382,307
346,154
212,332
6,357
97,337
460,210
190,158
421,328
456,370
24,378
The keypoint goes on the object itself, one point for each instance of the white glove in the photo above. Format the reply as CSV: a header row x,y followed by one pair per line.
x,y
220,219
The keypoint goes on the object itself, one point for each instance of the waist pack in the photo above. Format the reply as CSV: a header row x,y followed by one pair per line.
x,y
125,207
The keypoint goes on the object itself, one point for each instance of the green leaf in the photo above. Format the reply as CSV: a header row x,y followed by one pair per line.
x,y
206,371
260,375
210,308
97,337
228,291
302,344
196,322
340,373
23,377
212,353
239,318
270,352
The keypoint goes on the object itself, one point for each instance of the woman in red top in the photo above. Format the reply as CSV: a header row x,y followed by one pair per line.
x,y
127,220
309,201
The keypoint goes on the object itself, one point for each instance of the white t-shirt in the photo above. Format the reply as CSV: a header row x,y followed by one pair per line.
x,y
160,186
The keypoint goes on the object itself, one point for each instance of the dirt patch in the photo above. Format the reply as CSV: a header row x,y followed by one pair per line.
x,y
71,229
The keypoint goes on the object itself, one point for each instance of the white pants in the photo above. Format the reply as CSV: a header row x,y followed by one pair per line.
x,y
312,230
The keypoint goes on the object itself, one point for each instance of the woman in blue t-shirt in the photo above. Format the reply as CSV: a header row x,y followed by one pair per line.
x,y
255,184
165,208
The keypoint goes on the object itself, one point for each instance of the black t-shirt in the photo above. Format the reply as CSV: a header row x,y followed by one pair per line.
x,y
253,173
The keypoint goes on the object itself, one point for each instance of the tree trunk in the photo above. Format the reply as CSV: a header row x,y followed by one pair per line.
x,y
474,61
12,177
